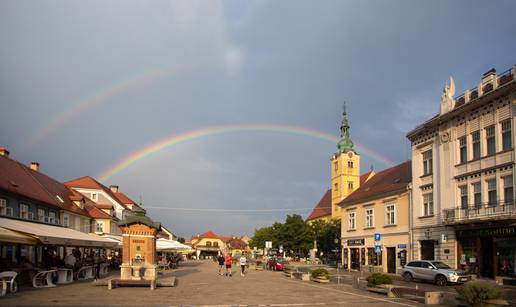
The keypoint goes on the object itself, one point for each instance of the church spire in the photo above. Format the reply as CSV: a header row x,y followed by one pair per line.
x,y
345,144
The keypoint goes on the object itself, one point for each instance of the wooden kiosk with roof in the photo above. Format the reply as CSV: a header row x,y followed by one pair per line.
x,y
139,266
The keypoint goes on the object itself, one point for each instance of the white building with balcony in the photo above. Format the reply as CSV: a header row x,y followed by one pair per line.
x,y
463,179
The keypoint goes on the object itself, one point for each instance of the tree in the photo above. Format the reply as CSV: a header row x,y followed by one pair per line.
x,y
325,234
181,240
261,235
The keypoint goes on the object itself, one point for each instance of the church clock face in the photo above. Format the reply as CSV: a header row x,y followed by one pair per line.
x,y
350,154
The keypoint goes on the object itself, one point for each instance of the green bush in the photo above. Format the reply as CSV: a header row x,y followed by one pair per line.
x,y
378,279
477,292
288,268
321,273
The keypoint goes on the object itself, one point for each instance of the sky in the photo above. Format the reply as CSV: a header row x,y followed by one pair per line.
x,y
86,84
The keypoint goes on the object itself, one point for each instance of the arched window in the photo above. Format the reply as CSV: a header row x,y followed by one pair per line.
x,y
208,243
215,244
350,164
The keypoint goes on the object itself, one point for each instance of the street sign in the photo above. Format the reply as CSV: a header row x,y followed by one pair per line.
x,y
268,244
377,236
378,249
402,245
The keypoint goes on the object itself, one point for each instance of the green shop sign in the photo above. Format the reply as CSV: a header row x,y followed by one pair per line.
x,y
488,232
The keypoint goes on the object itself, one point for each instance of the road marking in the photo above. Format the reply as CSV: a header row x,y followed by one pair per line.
x,y
354,294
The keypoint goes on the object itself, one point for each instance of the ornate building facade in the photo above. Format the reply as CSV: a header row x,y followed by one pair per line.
x,y
463,209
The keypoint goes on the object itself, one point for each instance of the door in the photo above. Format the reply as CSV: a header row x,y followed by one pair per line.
x,y
355,259
487,261
427,250
391,260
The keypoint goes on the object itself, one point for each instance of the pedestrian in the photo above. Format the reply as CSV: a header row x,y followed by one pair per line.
x,y
243,263
228,265
221,261
70,261
96,265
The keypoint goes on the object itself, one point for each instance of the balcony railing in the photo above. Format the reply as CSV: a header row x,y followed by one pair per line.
x,y
484,211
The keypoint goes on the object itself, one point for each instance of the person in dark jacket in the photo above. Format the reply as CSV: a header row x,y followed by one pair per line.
x,y
221,259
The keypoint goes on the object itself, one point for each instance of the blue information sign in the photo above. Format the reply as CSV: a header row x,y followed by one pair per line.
x,y
378,249
402,245
377,236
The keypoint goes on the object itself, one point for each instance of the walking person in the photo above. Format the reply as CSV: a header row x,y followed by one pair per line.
x,y
96,265
228,265
243,264
221,261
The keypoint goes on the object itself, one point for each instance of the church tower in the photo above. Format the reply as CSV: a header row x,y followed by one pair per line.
x,y
345,168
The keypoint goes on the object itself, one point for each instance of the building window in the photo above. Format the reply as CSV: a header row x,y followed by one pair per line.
x,y
99,227
41,215
336,165
490,140
390,214
94,196
428,204
3,206
463,196
66,220
208,243
508,189
506,135
477,194
215,244
373,258
352,224
350,186
52,217
24,211
369,217
350,164
475,137
491,192
463,149
427,162
336,187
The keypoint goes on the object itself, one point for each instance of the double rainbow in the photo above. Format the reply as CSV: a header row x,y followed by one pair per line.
x,y
176,139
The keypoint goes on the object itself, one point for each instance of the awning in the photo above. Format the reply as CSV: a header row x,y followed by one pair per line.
x,y
10,236
170,245
115,238
56,235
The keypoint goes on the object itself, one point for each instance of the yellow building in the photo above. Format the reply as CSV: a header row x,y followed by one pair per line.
x,y
375,222
345,177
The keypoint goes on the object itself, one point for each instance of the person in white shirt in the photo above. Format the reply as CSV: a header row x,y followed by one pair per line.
x,y
70,261
243,264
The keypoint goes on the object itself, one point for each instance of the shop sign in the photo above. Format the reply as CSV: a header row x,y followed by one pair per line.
x,y
356,242
402,245
488,232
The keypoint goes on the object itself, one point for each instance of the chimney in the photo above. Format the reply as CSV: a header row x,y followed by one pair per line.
x,y
113,188
34,166
4,152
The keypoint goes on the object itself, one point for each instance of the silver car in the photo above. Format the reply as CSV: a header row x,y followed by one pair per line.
x,y
435,271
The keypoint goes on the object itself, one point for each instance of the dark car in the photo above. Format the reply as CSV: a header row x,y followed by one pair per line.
x,y
276,264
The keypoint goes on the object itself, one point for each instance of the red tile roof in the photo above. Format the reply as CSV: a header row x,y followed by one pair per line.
x,y
22,180
87,182
388,181
323,208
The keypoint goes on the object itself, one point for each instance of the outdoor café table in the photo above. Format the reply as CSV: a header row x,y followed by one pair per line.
x,y
64,276
86,270
43,279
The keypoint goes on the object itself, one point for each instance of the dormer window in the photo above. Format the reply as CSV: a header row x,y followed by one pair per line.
x,y
94,196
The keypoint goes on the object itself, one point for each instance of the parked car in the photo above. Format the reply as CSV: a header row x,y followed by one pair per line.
x,y
434,271
276,264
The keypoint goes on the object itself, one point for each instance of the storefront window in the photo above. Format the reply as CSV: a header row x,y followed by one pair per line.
x,y
468,259
506,251
362,256
373,258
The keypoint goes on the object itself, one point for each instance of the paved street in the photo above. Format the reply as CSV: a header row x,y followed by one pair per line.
x,y
199,285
